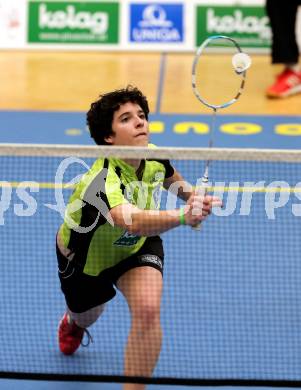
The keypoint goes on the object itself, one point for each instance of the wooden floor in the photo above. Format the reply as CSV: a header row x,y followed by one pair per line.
x,y
71,81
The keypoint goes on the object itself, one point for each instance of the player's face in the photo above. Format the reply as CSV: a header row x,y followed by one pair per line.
x,y
129,126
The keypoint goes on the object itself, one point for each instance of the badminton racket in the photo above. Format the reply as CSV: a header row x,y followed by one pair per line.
x,y
204,78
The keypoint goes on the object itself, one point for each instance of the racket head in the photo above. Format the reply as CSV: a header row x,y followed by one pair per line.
x,y
198,75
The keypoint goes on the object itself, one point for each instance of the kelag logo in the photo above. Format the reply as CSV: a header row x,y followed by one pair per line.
x,y
156,23
72,22
249,26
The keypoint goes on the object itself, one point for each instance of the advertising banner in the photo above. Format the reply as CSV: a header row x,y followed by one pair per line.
x,y
163,25
72,22
249,26
12,24
156,23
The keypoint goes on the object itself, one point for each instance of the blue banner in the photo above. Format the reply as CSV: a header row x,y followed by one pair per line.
x,y
156,23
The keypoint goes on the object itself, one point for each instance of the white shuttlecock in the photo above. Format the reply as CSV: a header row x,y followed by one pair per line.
x,y
241,62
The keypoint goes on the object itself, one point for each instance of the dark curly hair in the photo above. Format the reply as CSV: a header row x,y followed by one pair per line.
x,y
100,115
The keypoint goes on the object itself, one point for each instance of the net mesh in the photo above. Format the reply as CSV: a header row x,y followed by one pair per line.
x,y
231,301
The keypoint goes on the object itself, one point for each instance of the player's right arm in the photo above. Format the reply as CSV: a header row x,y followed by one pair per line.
x,y
153,222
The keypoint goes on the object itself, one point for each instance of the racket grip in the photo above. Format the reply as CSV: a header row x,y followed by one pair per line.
x,y
202,190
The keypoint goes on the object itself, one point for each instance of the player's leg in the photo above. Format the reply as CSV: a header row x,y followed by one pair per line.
x,y
85,296
282,17
142,288
87,318
73,327
284,48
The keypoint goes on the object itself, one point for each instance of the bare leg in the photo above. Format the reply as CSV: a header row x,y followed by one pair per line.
x,y
142,288
87,318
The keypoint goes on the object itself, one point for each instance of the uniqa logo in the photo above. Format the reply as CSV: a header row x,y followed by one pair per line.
x,y
238,23
154,16
155,26
96,22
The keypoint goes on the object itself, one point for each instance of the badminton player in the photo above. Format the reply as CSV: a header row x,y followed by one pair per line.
x,y
112,241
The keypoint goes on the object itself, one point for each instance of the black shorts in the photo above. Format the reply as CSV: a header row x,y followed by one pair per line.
x,y
83,292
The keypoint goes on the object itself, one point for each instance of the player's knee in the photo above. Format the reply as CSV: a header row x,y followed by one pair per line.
x,y
147,315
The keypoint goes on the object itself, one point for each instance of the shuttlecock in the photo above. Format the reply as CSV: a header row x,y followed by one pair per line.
x,y
241,62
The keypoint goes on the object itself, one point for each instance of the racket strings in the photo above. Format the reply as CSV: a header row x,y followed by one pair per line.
x,y
215,83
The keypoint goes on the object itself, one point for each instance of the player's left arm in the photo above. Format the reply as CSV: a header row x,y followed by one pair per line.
x,y
178,186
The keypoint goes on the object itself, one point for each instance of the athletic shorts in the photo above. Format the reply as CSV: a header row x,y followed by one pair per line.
x,y
83,292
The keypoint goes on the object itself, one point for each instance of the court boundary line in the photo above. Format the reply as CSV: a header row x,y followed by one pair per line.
x,y
67,186
161,82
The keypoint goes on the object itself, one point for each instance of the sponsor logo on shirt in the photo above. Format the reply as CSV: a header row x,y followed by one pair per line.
x,y
127,239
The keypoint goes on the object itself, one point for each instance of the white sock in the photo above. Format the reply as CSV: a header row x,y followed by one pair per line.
x,y
69,319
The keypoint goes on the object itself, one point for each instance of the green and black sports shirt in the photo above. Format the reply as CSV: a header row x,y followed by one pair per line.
x,y
110,182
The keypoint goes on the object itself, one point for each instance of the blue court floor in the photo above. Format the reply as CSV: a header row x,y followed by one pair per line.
x,y
228,303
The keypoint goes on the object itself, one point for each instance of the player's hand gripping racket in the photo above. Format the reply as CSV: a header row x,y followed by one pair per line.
x,y
221,84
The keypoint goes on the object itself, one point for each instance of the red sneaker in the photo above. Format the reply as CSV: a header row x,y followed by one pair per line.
x,y
70,335
287,83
